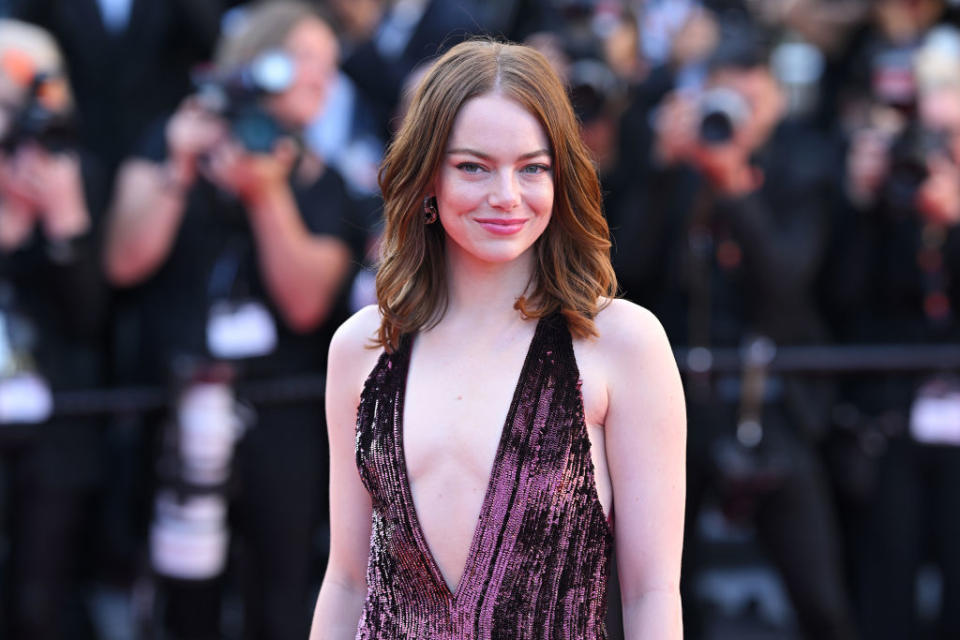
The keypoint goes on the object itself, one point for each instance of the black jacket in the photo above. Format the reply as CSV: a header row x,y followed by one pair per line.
x,y
753,261
124,82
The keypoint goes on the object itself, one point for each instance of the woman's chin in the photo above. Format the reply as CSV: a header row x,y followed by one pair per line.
x,y
492,255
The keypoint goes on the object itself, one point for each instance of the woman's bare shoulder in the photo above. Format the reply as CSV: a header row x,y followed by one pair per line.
x,y
640,370
626,329
632,346
352,349
359,328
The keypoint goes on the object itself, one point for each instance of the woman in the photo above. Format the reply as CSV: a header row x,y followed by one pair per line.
x,y
443,523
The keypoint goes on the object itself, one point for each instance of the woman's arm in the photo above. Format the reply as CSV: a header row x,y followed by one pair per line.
x,y
646,453
344,583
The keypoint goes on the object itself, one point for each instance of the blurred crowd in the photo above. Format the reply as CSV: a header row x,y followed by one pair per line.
x,y
189,206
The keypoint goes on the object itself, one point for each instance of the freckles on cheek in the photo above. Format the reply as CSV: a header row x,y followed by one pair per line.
x,y
464,196
542,200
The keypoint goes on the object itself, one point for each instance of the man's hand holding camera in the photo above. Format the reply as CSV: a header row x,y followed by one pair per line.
x,y
18,216
255,178
938,198
680,140
38,186
676,129
727,168
906,171
191,133
200,142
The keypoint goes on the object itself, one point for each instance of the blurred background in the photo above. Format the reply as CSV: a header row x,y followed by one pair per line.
x,y
189,208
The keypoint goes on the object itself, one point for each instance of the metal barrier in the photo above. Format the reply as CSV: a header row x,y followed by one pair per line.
x,y
804,360
829,359
119,400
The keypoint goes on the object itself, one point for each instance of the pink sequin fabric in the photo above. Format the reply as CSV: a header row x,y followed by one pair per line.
x,y
537,567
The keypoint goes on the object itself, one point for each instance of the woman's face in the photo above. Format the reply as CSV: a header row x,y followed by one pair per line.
x,y
494,187
313,48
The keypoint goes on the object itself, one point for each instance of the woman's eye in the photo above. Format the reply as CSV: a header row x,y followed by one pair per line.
x,y
535,169
469,167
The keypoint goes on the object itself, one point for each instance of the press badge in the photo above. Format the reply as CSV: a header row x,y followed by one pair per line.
x,y
240,330
935,414
25,398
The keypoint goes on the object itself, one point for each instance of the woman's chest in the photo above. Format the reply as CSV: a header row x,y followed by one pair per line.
x,y
457,413
454,411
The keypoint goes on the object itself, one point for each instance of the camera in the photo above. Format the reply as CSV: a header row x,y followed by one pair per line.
x,y
722,111
593,87
908,163
189,535
43,118
238,97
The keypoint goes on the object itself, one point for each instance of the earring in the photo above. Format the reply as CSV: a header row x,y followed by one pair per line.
x,y
430,210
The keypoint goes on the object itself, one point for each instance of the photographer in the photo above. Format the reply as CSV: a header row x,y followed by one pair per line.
x,y
128,60
903,287
52,304
241,243
723,240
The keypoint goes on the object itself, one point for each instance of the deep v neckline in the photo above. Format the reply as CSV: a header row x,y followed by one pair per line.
x,y
413,517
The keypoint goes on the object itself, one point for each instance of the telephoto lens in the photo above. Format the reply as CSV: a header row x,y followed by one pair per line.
x,y
189,538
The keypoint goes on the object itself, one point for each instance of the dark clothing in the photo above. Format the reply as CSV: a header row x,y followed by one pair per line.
x,y
278,471
214,259
381,76
908,511
749,261
892,267
61,293
784,495
884,287
124,81
635,136
52,468
717,270
539,560
60,297
912,519
516,20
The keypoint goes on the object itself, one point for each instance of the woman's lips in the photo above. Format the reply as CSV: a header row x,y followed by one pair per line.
x,y
501,226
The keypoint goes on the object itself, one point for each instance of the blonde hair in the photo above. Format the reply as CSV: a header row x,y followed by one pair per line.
x,y
572,267
261,27
25,51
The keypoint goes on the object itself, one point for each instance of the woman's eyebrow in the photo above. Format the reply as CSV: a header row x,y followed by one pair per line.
x,y
484,156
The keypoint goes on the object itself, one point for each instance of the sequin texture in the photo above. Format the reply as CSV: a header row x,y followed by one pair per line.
x,y
538,563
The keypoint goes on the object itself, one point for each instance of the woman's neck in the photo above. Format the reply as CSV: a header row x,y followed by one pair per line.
x,y
482,293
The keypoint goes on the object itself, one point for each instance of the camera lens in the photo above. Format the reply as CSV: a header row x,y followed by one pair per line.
x,y
256,130
716,127
721,112
908,164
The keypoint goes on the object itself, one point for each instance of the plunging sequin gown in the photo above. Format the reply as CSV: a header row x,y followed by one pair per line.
x,y
538,562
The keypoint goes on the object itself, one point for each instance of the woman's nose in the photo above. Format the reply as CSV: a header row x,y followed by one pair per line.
x,y
505,192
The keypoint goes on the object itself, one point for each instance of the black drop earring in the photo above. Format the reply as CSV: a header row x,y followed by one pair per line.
x,y
430,212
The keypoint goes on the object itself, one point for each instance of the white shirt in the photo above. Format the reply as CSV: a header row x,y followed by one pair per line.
x,y
116,14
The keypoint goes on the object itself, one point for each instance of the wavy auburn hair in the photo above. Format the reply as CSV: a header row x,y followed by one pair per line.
x,y
573,269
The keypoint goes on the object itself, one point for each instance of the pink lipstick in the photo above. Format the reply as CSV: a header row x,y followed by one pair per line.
x,y
502,226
